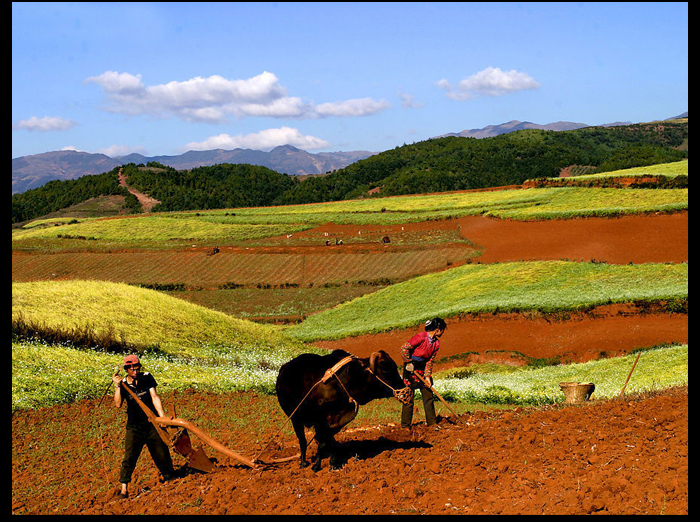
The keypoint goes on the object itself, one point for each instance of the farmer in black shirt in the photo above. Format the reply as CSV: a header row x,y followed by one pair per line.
x,y
139,430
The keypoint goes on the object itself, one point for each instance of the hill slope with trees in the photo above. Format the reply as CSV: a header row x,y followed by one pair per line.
x,y
435,165
455,163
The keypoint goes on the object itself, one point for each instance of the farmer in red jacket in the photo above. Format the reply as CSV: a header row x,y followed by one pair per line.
x,y
418,355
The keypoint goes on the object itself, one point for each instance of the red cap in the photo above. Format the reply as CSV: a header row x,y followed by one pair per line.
x,y
131,359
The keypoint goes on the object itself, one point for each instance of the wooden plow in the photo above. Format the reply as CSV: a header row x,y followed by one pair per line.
x,y
180,441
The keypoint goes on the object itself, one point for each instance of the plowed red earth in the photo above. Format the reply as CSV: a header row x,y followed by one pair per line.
x,y
621,456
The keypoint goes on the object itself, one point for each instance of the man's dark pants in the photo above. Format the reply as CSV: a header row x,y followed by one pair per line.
x,y
138,436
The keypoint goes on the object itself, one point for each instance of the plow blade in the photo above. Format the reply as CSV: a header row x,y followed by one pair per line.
x,y
196,458
182,423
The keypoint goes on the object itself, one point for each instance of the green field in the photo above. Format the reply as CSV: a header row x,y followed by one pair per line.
x,y
656,369
197,347
546,286
236,226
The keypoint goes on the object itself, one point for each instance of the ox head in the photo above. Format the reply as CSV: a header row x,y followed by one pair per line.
x,y
389,382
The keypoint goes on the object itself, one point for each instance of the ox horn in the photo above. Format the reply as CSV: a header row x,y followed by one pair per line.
x,y
373,361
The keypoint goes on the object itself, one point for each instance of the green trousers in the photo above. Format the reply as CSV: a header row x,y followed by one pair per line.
x,y
428,403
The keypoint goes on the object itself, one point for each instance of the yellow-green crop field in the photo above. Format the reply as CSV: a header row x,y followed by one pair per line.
x,y
193,346
546,286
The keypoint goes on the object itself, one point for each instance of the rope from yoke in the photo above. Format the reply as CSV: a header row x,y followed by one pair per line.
x,y
402,395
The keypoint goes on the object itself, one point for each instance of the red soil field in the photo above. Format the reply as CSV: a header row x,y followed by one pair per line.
x,y
620,456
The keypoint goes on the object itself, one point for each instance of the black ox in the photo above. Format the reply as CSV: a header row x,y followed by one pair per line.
x,y
327,402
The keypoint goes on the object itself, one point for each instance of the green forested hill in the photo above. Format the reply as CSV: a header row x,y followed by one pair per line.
x,y
455,163
57,194
217,186
435,165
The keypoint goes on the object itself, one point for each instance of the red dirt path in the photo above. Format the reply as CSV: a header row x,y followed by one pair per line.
x,y
606,332
623,456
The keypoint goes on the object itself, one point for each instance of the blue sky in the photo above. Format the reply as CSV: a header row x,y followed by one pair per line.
x,y
164,78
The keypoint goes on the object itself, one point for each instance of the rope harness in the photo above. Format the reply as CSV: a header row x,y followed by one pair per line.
x,y
401,395
331,372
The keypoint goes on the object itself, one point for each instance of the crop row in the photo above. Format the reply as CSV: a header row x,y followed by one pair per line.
x,y
198,269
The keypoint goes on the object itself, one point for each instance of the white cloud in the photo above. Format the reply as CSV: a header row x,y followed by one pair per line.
x,y
358,107
407,101
115,151
263,140
215,99
489,82
112,81
45,124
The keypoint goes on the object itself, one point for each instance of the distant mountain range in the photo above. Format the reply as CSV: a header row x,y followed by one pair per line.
x,y
33,171
514,125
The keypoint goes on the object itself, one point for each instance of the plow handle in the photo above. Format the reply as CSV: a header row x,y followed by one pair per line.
x,y
151,416
437,394
159,422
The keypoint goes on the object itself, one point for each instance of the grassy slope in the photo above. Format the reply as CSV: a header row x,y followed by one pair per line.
x,y
197,347
144,317
547,286
205,349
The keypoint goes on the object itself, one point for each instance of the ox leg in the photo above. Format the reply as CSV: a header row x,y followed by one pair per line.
x,y
321,440
299,430
333,448
327,446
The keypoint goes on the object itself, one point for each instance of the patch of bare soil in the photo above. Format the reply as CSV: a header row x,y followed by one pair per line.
x,y
504,338
147,202
621,456
661,238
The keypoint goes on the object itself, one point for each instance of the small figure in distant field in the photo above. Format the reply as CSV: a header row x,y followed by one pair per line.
x,y
386,239
418,354
139,430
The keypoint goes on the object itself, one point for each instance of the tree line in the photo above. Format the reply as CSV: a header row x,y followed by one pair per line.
x,y
434,165
58,194
456,163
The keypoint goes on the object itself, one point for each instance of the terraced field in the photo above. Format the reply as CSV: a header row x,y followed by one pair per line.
x,y
610,455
